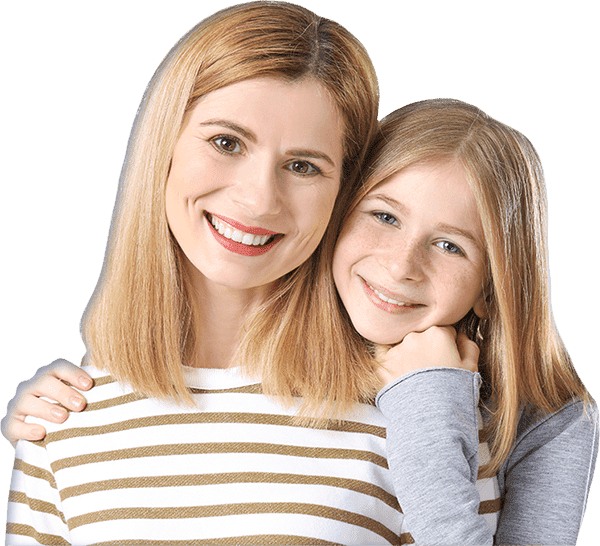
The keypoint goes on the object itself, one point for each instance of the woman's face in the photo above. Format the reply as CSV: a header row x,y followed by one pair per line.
x,y
411,255
254,177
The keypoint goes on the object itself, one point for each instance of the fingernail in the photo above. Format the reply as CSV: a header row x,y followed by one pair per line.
x,y
37,432
76,401
59,413
84,382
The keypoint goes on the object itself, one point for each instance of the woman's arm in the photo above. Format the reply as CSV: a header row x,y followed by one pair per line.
x,y
48,382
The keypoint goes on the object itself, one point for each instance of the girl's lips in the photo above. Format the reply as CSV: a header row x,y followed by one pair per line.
x,y
242,227
386,300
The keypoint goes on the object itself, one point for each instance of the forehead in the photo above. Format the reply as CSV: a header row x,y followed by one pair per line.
x,y
302,111
437,190
444,178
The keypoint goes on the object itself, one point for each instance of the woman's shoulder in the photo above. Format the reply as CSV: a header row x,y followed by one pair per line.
x,y
106,394
105,385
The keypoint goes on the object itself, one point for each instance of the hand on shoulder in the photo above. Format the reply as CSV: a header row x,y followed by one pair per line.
x,y
51,382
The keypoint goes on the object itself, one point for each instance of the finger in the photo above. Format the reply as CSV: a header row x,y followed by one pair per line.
x,y
15,429
468,351
36,407
55,389
66,371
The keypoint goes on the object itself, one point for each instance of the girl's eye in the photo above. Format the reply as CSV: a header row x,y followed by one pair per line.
x,y
450,248
386,218
303,168
226,144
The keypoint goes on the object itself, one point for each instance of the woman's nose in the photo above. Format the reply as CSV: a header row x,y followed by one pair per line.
x,y
257,189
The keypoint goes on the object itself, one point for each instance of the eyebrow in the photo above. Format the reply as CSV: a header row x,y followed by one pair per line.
x,y
312,154
389,200
247,133
453,230
447,228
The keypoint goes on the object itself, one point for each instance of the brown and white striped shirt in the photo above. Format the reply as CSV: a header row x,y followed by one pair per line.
x,y
234,469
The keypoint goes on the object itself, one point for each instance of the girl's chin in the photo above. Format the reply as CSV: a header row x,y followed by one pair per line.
x,y
377,338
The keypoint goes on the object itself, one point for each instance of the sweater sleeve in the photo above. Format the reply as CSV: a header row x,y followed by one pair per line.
x,y
547,477
34,506
432,446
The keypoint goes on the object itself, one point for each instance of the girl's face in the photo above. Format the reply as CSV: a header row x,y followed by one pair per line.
x,y
411,255
253,181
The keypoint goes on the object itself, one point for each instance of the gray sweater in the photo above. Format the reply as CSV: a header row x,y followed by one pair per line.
x,y
432,445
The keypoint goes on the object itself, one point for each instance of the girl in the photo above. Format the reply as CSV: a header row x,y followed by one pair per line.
x,y
448,228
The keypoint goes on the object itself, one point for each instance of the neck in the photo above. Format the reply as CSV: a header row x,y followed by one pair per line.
x,y
220,313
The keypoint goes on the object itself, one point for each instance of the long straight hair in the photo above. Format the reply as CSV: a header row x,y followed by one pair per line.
x,y
523,360
139,324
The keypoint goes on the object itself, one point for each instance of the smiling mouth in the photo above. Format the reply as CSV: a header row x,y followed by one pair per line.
x,y
238,236
391,302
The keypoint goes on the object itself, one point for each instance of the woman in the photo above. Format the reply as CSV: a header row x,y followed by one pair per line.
x,y
249,134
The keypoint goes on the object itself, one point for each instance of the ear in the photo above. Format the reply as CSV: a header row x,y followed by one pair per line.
x,y
480,307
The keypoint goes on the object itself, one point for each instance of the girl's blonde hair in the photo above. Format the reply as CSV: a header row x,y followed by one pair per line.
x,y
523,360
139,324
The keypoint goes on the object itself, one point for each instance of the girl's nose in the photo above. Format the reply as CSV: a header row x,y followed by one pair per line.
x,y
405,262
257,190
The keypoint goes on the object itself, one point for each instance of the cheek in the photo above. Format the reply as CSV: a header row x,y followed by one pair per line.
x,y
312,208
171,200
362,238
174,202
461,291
183,215
350,248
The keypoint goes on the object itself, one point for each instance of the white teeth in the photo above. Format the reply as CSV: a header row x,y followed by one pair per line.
x,y
386,299
238,236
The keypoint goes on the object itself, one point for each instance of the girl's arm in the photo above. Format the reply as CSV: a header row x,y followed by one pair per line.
x,y
48,382
547,476
432,452
432,449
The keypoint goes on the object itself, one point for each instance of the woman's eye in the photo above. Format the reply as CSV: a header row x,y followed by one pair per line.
x,y
226,144
303,168
450,248
386,218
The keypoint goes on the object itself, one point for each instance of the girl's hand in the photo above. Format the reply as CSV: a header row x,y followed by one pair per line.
x,y
438,346
48,382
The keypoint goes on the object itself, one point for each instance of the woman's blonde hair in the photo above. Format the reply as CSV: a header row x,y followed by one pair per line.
x,y
139,324
523,360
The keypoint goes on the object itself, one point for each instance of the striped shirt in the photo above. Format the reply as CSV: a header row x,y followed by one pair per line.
x,y
234,469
